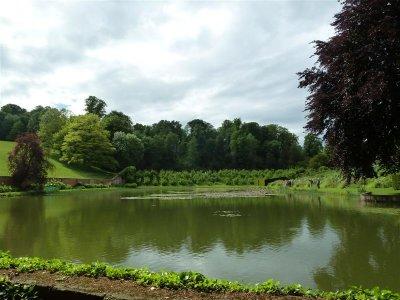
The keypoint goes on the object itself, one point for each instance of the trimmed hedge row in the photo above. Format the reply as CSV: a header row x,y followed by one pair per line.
x,y
203,177
183,280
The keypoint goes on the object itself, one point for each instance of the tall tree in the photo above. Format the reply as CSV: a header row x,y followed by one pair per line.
x,y
27,162
94,105
129,149
312,145
84,141
355,87
13,121
200,144
34,118
13,109
117,121
244,150
51,122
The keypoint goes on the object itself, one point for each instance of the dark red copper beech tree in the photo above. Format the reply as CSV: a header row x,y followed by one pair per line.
x,y
27,163
354,88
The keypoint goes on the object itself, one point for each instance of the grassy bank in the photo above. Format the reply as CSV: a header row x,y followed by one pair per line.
x,y
183,280
59,171
331,181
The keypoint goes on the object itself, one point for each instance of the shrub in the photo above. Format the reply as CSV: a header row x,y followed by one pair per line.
x,y
319,160
380,182
396,181
96,186
130,185
6,189
16,291
173,280
27,162
59,185
129,174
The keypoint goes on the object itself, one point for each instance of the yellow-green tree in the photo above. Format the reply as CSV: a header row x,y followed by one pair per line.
x,y
84,141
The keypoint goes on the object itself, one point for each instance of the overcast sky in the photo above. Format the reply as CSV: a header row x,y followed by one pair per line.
x,y
163,60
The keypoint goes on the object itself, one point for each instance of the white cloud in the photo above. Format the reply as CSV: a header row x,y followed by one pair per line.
x,y
163,60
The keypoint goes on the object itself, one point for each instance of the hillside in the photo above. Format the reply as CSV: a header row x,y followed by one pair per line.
x,y
59,171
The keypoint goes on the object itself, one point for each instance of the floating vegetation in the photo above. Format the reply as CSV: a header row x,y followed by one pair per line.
x,y
250,193
227,213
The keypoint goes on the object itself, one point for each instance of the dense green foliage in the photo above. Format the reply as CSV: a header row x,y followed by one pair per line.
x,y
15,120
51,122
396,181
312,145
199,177
117,121
27,163
84,141
167,145
96,106
333,181
319,160
234,145
355,86
182,280
16,291
300,178
6,189
129,149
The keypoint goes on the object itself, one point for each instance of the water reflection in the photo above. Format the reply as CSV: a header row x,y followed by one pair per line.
x,y
324,242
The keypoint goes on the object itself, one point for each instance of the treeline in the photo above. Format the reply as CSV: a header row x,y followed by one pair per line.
x,y
112,141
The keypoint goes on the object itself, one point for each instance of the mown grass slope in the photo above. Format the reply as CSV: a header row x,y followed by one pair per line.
x,y
59,171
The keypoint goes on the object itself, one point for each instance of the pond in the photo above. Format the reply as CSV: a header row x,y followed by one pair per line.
x,y
320,241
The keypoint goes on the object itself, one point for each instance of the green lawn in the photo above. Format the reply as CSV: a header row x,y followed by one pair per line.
x,y
60,170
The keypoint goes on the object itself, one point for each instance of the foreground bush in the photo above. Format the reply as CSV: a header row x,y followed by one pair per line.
x,y
182,280
16,291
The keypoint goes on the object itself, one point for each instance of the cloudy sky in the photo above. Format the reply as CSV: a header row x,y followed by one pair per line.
x,y
163,60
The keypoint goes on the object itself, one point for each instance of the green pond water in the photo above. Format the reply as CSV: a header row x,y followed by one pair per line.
x,y
325,242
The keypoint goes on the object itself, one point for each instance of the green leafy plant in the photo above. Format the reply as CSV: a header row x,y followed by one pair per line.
x,y
183,280
57,184
16,291
396,181
6,189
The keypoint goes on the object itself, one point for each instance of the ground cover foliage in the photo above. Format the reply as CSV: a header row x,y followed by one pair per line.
x,y
183,280
15,291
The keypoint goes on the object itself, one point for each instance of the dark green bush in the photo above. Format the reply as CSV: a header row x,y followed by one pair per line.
x,y
396,181
129,174
318,161
96,186
16,291
59,185
6,189
130,185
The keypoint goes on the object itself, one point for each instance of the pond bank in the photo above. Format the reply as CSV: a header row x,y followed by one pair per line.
x,y
379,192
103,281
56,286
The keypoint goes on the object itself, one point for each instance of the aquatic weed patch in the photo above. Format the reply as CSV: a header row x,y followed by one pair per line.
x,y
183,280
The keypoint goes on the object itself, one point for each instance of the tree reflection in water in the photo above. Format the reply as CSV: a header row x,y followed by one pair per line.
x,y
324,242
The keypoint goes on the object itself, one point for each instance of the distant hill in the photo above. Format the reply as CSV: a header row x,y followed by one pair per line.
x,y
60,170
